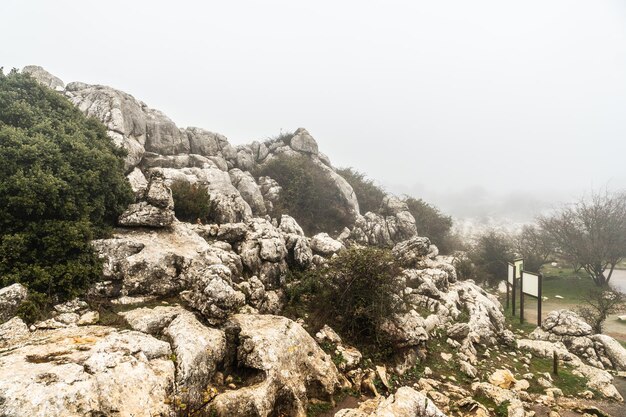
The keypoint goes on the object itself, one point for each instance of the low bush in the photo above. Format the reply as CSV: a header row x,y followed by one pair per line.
x,y
490,254
354,294
369,195
191,201
309,195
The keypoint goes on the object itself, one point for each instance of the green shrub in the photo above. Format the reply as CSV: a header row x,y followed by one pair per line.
x,y
490,255
191,201
369,194
308,195
357,292
61,184
431,222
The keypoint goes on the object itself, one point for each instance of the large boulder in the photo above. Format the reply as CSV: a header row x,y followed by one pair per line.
x,y
199,349
44,77
395,224
95,370
410,252
140,263
249,190
566,323
263,252
156,205
291,368
323,244
11,298
406,402
302,141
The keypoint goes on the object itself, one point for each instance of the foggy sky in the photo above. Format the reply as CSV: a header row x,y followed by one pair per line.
x,y
461,102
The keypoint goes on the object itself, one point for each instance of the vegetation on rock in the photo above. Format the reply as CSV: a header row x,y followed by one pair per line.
x,y
369,194
61,184
430,222
308,195
191,201
355,293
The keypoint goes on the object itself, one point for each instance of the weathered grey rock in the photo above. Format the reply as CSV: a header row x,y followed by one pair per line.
x,y
158,262
12,330
232,232
405,330
566,323
406,402
158,193
325,245
395,224
203,142
289,226
212,293
145,214
151,320
125,117
44,77
271,192
263,252
597,379
613,351
302,141
410,252
82,371
11,298
138,182
226,202
459,331
249,190
198,349
293,369
515,407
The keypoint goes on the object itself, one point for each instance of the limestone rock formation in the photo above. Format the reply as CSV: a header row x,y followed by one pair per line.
x,y
293,369
406,402
95,370
11,298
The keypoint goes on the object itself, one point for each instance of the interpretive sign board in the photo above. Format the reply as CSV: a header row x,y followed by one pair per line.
x,y
530,284
511,273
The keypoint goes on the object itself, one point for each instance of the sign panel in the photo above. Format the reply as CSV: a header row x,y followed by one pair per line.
x,y
519,267
510,276
531,284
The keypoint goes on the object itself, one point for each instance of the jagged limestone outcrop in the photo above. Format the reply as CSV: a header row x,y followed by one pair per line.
x,y
73,372
224,343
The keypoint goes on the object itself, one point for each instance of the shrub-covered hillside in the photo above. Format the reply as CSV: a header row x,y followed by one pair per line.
x,y
61,184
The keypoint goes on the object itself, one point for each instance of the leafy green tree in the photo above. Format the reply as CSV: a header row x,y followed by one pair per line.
x,y
369,195
61,184
308,195
490,255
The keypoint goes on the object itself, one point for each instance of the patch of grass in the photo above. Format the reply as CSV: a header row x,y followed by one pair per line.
x,y
566,282
514,321
569,383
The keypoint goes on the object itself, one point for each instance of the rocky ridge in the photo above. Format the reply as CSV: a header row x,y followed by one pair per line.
x,y
198,306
